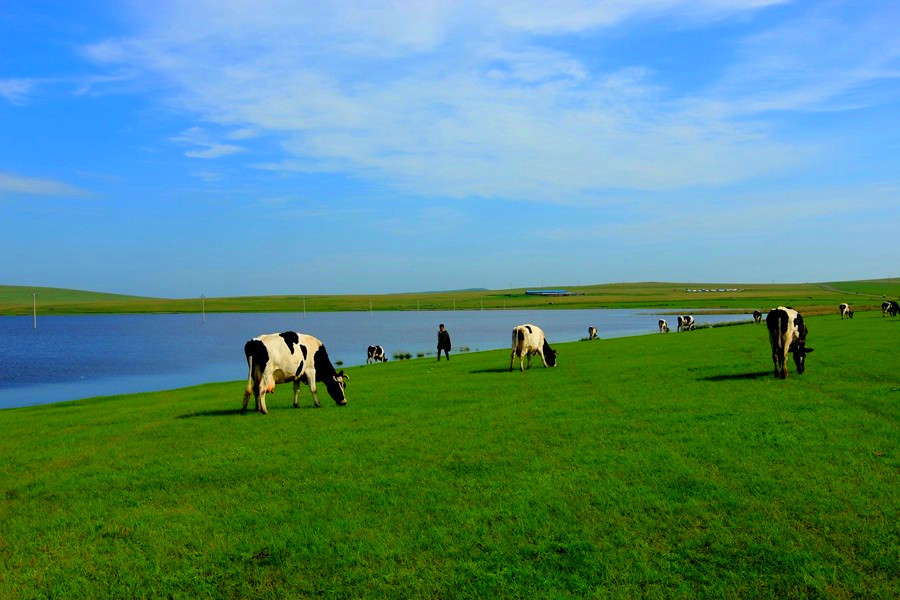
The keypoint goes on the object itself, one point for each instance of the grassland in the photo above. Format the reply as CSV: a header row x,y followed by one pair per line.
x,y
662,466
812,298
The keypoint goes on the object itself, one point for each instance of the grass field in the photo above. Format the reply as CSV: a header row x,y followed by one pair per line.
x,y
661,466
811,298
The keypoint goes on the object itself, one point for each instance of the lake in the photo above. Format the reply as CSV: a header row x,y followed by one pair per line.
x,y
80,356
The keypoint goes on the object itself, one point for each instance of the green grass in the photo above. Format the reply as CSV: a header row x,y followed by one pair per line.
x,y
661,466
811,298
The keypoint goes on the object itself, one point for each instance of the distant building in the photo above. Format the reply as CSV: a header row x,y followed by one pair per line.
x,y
549,293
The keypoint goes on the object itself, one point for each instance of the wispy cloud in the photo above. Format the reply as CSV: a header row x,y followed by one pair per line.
x,y
823,60
463,100
10,183
206,148
16,90
734,216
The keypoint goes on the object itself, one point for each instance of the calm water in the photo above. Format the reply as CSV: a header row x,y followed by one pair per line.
x,y
70,357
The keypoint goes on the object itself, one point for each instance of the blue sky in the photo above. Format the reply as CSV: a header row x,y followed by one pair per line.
x,y
248,148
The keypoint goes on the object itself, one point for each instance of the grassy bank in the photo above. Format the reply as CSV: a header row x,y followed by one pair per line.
x,y
658,466
813,298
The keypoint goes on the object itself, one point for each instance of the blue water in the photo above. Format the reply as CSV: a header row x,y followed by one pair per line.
x,y
71,357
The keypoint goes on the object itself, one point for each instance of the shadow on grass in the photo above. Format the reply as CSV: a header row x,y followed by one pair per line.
x,y
498,370
238,412
215,413
738,377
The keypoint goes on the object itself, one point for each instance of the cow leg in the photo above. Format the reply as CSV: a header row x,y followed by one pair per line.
x,y
312,389
247,393
296,394
780,359
264,387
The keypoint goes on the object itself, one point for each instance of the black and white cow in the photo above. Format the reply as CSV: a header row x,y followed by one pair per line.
x,y
281,357
592,333
893,309
685,323
844,309
885,307
528,340
787,334
376,354
757,317
663,326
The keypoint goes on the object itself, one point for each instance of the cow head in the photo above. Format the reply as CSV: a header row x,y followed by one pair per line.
x,y
335,386
800,350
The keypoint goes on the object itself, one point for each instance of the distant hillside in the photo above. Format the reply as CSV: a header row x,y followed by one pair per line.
x,y
716,296
20,294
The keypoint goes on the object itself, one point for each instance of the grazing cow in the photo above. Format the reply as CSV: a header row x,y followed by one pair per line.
x,y
757,317
376,354
885,306
685,323
663,326
592,333
528,340
281,357
787,334
893,309
844,309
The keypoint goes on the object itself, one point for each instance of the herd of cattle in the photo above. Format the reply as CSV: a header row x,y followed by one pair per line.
x,y
299,358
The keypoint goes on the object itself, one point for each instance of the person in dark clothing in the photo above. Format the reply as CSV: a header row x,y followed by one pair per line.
x,y
443,342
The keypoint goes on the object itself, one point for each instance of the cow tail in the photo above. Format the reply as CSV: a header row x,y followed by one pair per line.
x,y
249,388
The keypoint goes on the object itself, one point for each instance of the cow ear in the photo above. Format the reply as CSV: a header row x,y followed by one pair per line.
x,y
807,350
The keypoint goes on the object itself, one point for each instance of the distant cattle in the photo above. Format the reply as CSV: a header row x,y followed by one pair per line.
x,y
592,333
893,309
663,326
844,309
281,357
787,334
685,323
376,354
757,317
528,340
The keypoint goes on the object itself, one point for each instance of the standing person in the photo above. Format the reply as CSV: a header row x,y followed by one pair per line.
x,y
443,342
